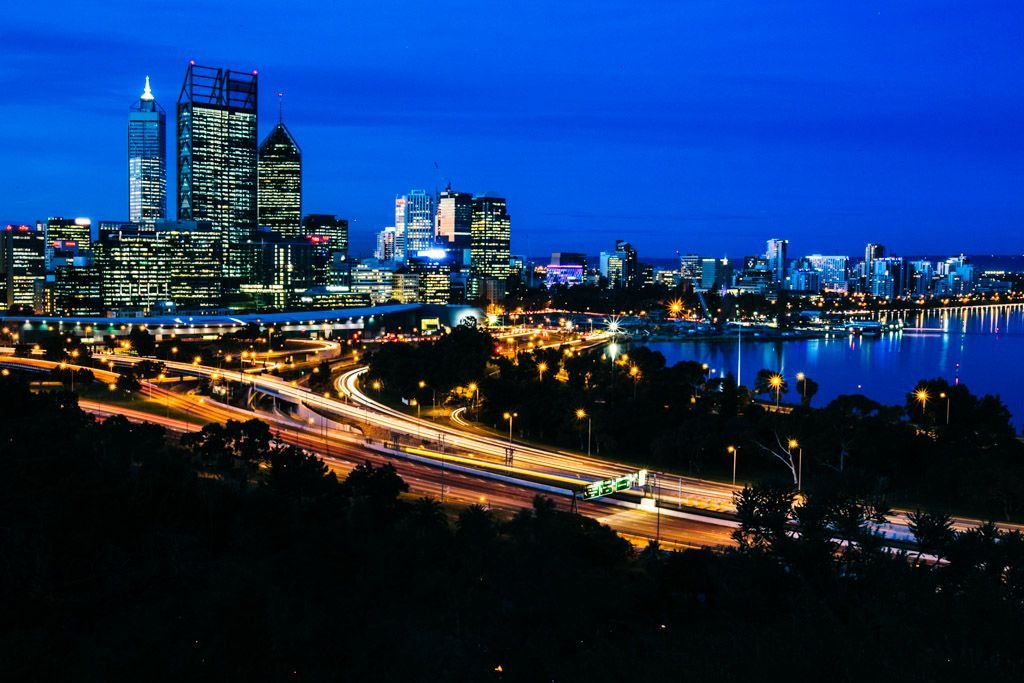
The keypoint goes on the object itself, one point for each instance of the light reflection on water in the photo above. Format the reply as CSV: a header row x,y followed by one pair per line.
x,y
983,347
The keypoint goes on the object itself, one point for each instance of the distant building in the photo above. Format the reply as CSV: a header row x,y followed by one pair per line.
x,y
715,273
22,264
77,232
374,279
217,157
888,277
279,197
630,264
777,257
329,237
690,269
386,242
72,287
490,246
453,222
612,268
434,268
147,160
414,224
834,271
871,253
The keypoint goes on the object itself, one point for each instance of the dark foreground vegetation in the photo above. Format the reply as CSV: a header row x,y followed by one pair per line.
x,y
128,555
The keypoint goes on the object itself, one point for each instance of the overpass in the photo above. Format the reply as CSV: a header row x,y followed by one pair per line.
x,y
368,322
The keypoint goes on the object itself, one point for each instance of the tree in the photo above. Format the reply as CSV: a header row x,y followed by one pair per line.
x,y
764,513
298,474
380,487
933,532
807,388
770,382
141,340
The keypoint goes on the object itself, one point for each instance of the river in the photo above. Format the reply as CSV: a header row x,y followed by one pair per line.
x,y
982,347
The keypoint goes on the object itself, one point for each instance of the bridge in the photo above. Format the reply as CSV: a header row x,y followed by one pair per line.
x,y
367,322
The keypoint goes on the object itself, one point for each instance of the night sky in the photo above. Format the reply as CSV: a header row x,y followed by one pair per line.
x,y
695,126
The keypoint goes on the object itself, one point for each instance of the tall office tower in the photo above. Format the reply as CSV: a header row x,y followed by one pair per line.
x,y
414,224
385,249
454,218
777,263
329,236
280,182
490,242
73,286
217,176
147,160
22,264
630,265
77,232
871,253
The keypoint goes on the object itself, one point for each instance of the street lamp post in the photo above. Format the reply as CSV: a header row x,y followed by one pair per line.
x,y
802,378
580,414
948,401
541,367
476,394
634,372
509,417
732,451
776,383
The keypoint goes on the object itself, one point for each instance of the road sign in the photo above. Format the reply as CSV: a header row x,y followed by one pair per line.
x,y
608,486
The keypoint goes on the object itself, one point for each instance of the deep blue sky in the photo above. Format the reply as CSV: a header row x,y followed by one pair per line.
x,y
689,125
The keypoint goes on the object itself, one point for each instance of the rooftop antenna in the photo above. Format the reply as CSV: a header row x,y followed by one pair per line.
x,y
280,107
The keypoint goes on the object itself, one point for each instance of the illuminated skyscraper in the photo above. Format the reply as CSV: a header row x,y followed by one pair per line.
x,y
454,219
280,182
217,176
490,241
777,259
414,224
147,160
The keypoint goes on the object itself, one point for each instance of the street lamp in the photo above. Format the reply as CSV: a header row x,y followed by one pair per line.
x,y
541,367
922,396
509,417
776,383
732,451
802,378
800,465
634,372
580,414
948,400
476,394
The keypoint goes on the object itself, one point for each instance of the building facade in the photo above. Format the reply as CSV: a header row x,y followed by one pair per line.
x,y
279,197
147,160
490,242
414,224
217,157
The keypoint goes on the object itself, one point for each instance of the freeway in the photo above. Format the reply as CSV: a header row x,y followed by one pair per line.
x,y
341,451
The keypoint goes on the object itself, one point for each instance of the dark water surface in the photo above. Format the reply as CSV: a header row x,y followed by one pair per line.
x,y
983,347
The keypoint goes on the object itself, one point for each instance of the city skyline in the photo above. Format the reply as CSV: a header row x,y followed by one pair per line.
x,y
877,140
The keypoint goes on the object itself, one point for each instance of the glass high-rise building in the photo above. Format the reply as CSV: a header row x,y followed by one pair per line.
x,y
414,224
217,157
454,218
22,264
147,160
280,182
490,241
